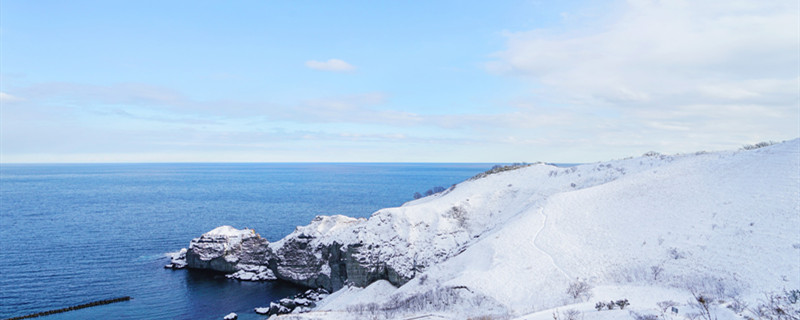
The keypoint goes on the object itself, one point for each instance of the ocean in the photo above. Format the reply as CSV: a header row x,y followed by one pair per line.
x,y
76,233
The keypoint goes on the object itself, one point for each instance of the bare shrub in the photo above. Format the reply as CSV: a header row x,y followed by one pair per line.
x,y
640,316
675,254
622,303
429,192
435,299
438,299
793,296
758,145
656,271
571,314
500,168
778,306
364,308
599,305
579,290
704,304
726,289
459,214
632,273
737,305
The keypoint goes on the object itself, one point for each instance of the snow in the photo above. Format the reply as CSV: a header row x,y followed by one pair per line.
x,y
248,272
231,316
229,231
350,296
326,228
722,223
233,235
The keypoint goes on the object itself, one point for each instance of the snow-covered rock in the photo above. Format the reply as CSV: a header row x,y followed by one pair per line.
x,y
177,259
277,308
227,249
301,302
251,272
305,257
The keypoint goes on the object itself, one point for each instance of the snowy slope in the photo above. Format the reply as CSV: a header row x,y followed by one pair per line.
x,y
725,224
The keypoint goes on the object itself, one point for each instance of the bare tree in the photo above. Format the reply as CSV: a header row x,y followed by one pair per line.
x,y
579,289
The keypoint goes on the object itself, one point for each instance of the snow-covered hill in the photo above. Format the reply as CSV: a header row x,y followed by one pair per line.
x,y
657,228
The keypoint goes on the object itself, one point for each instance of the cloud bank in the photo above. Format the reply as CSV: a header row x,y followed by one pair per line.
x,y
334,65
5,97
707,71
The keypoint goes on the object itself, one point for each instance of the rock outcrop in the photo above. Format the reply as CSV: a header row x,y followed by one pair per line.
x,y
316,255
252,272
177,260
334,251
301,302
329,253
228,250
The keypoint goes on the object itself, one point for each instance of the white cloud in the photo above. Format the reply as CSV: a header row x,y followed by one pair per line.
x,y
675,69
334,65
5,97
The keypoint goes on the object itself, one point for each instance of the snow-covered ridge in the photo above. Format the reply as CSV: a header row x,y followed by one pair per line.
x,y
515,240
228,231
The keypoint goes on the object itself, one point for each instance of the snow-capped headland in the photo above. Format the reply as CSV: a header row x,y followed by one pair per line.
x,y
657,230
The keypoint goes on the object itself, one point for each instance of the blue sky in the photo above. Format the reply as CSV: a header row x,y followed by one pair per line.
x,y
411,81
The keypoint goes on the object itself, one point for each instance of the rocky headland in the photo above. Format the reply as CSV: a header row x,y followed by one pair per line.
x,y
329,253
512,242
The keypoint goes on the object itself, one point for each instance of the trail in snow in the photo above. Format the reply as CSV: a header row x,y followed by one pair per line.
x,y
540,210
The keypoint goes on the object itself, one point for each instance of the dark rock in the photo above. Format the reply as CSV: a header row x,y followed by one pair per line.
x,y
301,302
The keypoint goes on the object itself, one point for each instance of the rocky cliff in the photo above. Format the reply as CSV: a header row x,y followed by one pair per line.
x,y
329,253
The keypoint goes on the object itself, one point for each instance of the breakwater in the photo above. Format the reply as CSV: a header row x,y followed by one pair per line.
x,y
80,306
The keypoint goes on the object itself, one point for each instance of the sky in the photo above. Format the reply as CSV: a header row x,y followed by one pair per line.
x,y
393,81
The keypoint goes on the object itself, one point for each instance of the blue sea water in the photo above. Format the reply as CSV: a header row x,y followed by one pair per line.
x,y
75,233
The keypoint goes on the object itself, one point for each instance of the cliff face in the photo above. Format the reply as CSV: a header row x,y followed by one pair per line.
x,y
301,257
334,251
329,253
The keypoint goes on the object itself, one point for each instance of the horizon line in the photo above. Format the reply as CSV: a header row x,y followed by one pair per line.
x,y
281,162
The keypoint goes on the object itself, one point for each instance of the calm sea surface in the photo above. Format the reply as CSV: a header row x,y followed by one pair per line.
x,y
71,234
